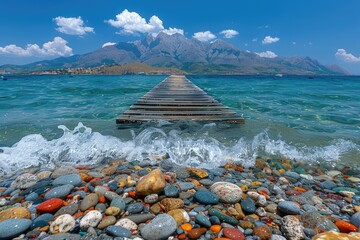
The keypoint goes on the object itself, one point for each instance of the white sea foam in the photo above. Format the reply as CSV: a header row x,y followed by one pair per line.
x,y
82,146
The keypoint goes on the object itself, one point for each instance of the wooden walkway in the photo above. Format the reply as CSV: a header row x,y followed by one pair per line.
x,y
177,98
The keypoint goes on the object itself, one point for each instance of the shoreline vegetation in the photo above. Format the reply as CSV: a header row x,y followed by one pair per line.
x,y
144,69
274,199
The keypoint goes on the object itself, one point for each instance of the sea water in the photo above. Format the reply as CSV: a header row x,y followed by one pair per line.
x,y
46,121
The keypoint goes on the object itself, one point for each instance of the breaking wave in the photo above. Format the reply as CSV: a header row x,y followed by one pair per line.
x,y
82,146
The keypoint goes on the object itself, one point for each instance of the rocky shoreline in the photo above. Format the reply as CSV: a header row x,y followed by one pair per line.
x,y
275,199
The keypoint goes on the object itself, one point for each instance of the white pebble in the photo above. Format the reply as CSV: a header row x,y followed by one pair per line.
x,y
62,224
91,219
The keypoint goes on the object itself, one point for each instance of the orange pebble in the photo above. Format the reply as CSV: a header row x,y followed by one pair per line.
x,y
65,203
78,214
186,227
222,238
86,189
70,196
182,236
215,228
300,189
107,187
132,194
91,208
102,199
346,227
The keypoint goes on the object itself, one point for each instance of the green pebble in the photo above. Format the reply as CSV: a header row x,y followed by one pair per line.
x,y
223,217
340,189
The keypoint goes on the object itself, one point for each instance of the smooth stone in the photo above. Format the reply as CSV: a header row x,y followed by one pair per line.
x,y
263,232
127,223
118,202
180,216
23,181
140,218
316,220
227,192
277,237
118,231
202,220
233,234
161,227
91,219
31,197
222,216
39,224
134,208
172,203
47,217
50,205
184,186
206,197
15,212
355,219
336,236
154,182
11,228
107,221
333,173
248,205
215,220
62,224
70,209
64,236
89,201
292,174
112,211
152,198
288,207
345,189
171,191
292,228
196,233
327,184
73,179
59,192
100,207
63,170
44,174
198,172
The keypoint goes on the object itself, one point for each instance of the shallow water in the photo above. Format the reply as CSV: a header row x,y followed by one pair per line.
x,y
291,117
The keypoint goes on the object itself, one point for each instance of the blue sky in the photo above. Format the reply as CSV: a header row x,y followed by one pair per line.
x,y
327,30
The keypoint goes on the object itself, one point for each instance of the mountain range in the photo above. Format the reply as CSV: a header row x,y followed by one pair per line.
x,y
189,55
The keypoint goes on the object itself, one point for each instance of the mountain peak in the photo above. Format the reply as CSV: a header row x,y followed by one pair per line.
x,y
190,55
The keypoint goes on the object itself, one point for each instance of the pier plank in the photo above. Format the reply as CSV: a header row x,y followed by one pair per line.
x,y
177,98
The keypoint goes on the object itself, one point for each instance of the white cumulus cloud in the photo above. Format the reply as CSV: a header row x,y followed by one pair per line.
x,y
267,54
204,36
57,47
133,23
347,57
270,40
172,31
72,26
229,33
108,44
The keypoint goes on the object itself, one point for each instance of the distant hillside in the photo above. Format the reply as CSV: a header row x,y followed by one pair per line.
x,y
189,55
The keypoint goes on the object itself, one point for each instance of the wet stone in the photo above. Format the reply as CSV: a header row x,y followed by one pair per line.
x,y
288,207
107,221
118,202
13,227
64,170
222,216
89,201
134,208
161,227
327,184
206,197
248,205
140,218
355,219
24,181
202,220
59,192
118,231
73,179
233,234
171,191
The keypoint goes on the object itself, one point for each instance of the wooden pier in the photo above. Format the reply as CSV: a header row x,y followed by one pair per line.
x,y
176,98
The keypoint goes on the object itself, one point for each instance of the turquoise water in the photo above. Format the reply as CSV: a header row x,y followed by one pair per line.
x,y
50,120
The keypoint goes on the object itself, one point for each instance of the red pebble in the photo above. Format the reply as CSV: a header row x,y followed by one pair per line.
x,y
50,205
346,227
233,234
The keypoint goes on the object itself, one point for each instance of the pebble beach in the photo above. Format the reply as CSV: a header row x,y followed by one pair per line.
x,y
274,199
